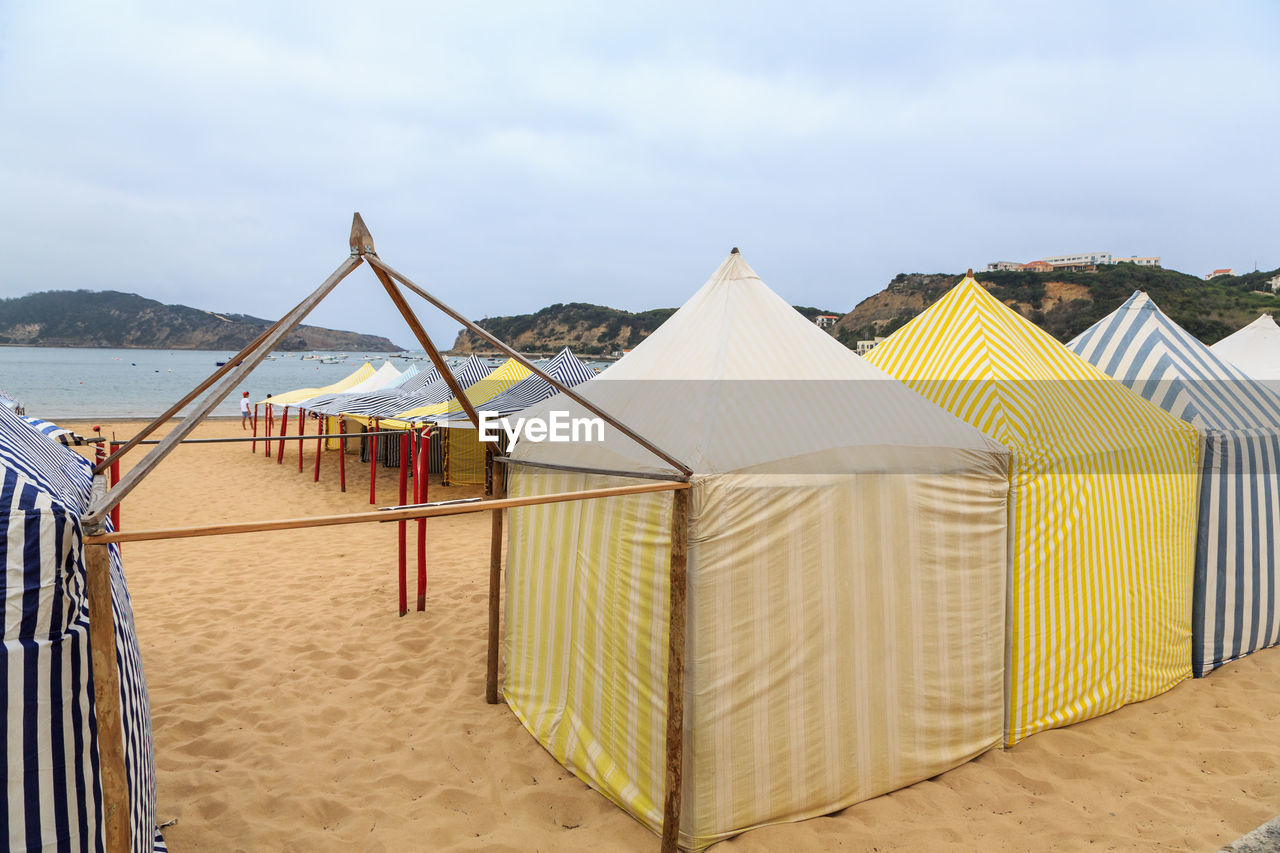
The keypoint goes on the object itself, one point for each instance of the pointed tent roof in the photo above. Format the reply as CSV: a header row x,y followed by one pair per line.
x,y
1139,345
738,380
333,404
1013,381
292,398
565,368
1255,349
386,376
504,376
394,402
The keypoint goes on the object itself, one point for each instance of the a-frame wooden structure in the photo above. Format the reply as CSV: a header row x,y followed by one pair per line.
x,y
222,383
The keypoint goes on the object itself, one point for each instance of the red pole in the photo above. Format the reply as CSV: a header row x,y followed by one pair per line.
x,y
115,478
402,532
253,446
302,430
320,432
342,454
284,430
424,468
373,461
266,440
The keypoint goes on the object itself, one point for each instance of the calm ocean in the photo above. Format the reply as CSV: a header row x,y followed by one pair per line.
x,y
68,383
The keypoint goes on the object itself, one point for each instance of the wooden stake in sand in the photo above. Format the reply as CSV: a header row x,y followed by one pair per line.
x,y
320,433
675,673
253,448
266,442
373,462
106,695
302,430
495,588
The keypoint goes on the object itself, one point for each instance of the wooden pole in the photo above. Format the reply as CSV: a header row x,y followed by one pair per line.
x,y
379,265
266,441
302,430
387,515
106,696
402,532
342,454
675,673
373,462
424,472
495,589
227,378
253,448
284,430
320,433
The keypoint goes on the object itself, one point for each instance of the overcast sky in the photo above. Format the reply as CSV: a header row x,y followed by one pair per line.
x,y
511,155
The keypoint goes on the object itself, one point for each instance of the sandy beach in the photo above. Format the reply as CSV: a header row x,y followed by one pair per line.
x,y
293,710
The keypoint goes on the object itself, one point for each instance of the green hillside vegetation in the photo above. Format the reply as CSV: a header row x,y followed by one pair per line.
x,y
1066,303
86,318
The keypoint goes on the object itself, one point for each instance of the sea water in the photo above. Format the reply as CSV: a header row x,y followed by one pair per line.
x,y
57,382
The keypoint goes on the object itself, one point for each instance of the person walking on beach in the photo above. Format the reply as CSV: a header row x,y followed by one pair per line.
x,y
244,410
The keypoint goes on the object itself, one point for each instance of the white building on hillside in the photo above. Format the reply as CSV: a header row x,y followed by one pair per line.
x,y
1142,262
1078,260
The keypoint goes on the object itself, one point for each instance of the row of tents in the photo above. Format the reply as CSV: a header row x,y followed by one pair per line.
x,y
894,563
390,399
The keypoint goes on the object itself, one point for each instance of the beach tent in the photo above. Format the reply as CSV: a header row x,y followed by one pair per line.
x,y
501,378
846,575
292,398
53,431
11,403
468,373
1103,507
386,376
463,452
1255,349
53,787
1236,603
333,404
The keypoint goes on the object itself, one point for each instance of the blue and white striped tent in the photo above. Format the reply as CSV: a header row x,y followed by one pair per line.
x,y
53,798
1236,605
52,430
333,404
387,404
565,368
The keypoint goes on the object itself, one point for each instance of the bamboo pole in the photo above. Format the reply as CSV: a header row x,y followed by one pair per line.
x,y
495,589
241,365
106,696
253,448
675,673
423,511
379,265
284,430
342,454
424,471
402,532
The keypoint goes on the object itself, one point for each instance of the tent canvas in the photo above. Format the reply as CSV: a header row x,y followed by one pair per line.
x,y
846,575
1102,507
386,376
53,794
501,378
1255,349
1236,605
298,395
466,374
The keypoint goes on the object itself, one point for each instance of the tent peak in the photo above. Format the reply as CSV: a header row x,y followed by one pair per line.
x,y
734,251
969,273
361,239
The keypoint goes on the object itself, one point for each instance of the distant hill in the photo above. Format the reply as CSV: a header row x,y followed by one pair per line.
x,y
85,318
1066,303
584,328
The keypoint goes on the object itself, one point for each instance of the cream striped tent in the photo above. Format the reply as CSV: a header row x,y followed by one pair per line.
x,y
293,398
1255,349
846,569
1102,507
1236,607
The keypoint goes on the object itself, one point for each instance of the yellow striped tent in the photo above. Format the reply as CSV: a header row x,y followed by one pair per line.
x,y
1102,508
503,377
846,575
292,398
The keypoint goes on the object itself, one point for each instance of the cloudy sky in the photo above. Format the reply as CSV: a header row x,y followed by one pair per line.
x,y
511,155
